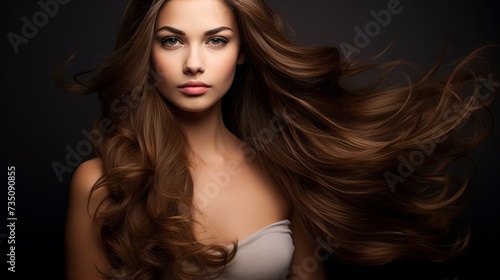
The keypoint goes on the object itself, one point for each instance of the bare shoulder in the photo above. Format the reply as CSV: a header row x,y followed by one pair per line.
x,y
84,179
84,255
87,173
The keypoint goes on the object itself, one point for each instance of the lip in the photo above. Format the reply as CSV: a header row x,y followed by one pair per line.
x,y
194,88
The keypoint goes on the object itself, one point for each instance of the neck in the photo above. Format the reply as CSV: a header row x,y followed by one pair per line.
x,y
206,133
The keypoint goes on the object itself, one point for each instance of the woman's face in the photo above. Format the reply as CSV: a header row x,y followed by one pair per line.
x,y
195,52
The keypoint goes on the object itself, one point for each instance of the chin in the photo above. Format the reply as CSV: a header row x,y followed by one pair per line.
x,y
193,108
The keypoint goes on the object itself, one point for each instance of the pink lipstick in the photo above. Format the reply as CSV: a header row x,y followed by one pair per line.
x,y
194,88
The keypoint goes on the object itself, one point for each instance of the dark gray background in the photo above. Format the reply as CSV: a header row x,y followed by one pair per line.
x,y
40,121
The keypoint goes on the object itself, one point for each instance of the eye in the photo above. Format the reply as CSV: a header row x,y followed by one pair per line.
x,y
218,41
171,41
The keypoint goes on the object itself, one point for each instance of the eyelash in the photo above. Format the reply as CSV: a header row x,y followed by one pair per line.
x,y
222,41
166,40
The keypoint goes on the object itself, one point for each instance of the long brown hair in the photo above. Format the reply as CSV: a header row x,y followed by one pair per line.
x,y
366,167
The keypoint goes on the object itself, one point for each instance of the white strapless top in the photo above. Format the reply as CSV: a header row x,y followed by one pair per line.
x,y
264,255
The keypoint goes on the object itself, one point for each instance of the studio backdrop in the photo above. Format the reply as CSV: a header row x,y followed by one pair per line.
x,y
46,132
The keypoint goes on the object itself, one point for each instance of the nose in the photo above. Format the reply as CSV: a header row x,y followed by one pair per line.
x,y
194,61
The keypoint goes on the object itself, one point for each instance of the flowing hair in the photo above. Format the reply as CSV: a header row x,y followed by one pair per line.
x,y
366,167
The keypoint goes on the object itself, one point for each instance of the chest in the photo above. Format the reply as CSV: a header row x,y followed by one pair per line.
x,y
233,201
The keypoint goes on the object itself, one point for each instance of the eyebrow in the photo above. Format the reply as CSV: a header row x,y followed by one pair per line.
x,y
180,32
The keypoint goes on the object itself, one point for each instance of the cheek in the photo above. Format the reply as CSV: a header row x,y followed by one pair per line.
x,y
225,67
161,72
163,76
162,67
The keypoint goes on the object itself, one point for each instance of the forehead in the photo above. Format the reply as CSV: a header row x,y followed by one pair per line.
x,y
193,15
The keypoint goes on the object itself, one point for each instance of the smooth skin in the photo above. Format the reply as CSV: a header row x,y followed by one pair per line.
x,y
196,40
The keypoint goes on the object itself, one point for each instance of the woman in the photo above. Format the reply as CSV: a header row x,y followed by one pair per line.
x,y
227,151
